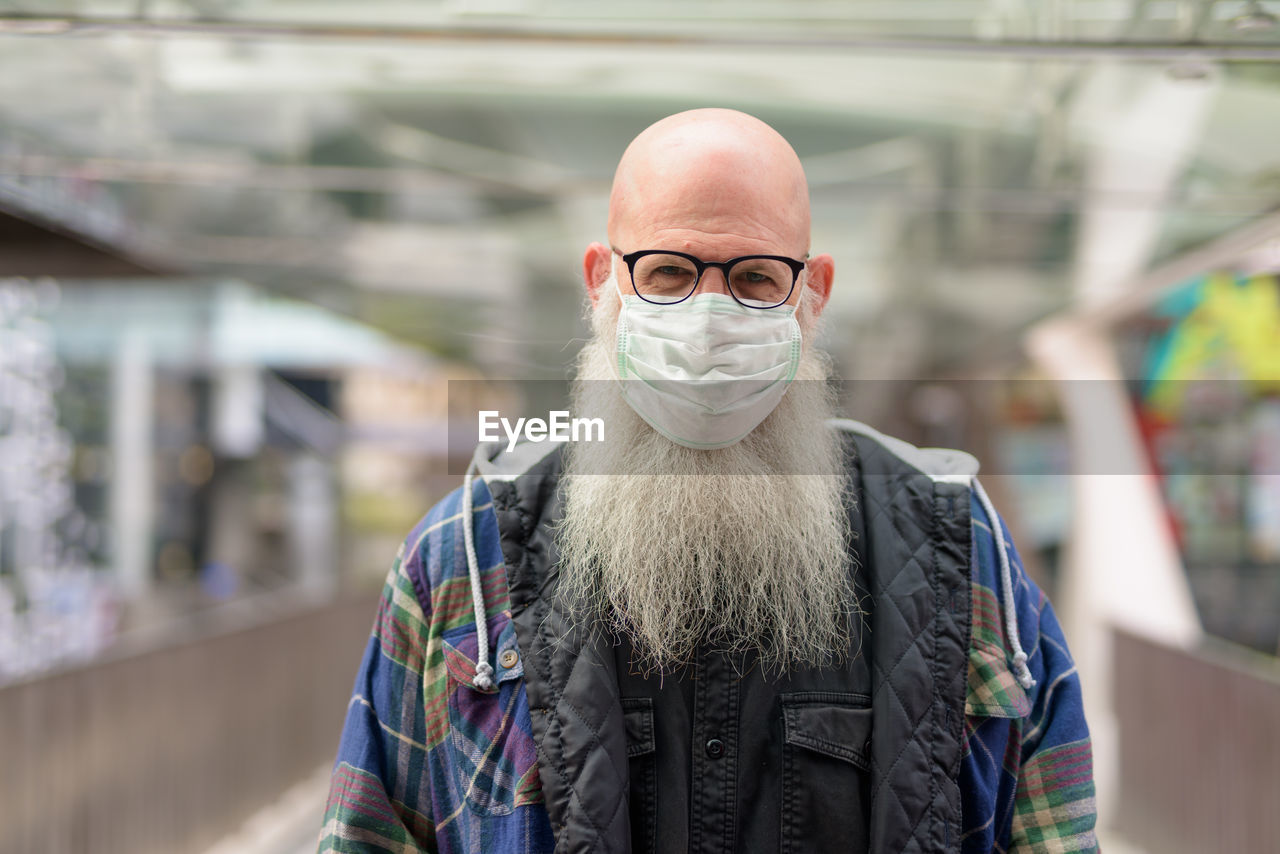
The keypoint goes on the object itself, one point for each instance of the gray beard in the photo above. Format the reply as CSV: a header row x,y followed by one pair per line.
x,y
676,547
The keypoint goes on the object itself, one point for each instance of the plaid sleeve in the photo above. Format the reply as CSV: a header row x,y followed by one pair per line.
x,y
379,795
1054,809
1029,756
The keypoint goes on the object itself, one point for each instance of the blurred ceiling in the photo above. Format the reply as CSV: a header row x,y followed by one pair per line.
x,y
436,168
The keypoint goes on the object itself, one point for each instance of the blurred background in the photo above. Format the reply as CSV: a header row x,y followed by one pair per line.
x,y
246,244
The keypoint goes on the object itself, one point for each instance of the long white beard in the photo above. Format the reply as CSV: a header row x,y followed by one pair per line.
x,y
674,547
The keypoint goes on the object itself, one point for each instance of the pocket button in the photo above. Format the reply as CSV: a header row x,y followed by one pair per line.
x,y
509,658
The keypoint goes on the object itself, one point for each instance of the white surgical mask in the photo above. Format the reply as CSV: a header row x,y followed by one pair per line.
x,y
706,371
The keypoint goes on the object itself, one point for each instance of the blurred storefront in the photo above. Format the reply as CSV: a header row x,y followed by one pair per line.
x,y
176,444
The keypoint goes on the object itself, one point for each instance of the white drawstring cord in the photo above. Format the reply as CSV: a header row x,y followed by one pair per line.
x,y
1020,669
484,670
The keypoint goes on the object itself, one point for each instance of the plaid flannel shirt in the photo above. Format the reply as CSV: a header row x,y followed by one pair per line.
x,y
422,767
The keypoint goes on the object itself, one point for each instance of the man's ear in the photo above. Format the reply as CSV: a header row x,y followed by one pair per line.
x,y
820,274
596,266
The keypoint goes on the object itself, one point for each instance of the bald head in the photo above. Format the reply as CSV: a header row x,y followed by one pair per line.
x,y
716,184
713,171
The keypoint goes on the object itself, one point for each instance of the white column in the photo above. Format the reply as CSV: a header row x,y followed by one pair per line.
x,y
312,532
1120,564
1145,125
132,470
238,426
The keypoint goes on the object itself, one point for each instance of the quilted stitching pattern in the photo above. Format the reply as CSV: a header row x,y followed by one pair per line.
x,y
890,621
586,824
915,622
570,692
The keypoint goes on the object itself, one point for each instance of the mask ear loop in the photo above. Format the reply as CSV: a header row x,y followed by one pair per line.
x,y
622,330
613,277
802,282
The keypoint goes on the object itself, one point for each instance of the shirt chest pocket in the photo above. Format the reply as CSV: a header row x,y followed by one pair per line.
x,y
490,743
826,779
642,796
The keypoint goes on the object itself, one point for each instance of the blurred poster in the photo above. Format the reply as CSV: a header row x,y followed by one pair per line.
x,y
1223,343
1209,405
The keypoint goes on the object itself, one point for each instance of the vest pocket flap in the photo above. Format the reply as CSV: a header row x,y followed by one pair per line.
x,y
637,715
841,732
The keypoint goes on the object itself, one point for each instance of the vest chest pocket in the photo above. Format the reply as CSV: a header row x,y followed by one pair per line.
x,y
490,742
826,779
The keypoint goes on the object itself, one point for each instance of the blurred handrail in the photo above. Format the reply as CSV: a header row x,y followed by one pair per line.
x,y
194,625
1199,754
171,742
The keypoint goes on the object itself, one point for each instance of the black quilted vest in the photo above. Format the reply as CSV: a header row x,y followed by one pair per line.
x,y
902,743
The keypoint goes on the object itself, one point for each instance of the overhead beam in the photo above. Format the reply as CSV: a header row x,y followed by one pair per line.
x,y
31,249
535,32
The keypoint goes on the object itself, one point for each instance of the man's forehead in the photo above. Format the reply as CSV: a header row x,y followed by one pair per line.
x,y
711,225
716,237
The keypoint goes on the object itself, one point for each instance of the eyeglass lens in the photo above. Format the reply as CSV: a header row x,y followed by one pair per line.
x,y
671,278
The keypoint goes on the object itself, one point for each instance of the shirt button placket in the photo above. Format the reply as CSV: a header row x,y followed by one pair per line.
x,y
713,805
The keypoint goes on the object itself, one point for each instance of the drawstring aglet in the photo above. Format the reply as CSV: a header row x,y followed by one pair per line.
x,y
484,676
484,670
1022,672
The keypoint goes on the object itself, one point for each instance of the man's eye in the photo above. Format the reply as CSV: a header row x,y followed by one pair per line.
x,y
751,277
672,271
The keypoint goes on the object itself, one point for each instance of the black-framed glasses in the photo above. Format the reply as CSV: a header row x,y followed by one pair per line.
x,y
755,281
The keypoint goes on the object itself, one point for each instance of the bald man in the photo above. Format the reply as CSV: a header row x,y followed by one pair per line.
x,y
741,624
